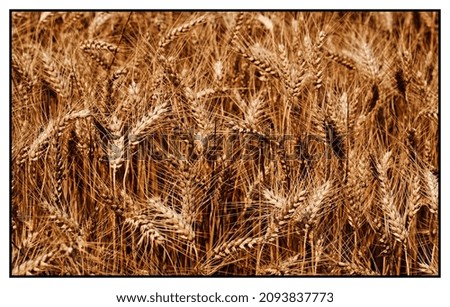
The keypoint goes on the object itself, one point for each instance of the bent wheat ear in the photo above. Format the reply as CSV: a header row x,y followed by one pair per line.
x,y
175,33
90,45
147,123
263,63
341,59
234,246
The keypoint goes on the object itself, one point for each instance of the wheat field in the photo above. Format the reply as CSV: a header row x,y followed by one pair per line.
x,y
225,143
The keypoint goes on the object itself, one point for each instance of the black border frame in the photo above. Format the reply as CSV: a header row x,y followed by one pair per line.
x,y
11,11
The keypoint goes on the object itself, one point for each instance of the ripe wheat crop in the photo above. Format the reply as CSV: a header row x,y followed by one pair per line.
x,y
225,143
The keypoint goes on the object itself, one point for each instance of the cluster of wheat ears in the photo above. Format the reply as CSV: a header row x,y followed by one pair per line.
x,y
224,143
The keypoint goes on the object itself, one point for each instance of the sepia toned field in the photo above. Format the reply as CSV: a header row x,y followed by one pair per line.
x,y
225,143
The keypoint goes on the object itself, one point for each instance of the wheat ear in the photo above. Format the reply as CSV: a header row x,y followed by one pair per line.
x,y
234,246
172,35
41,263
147,123
394,221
